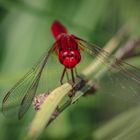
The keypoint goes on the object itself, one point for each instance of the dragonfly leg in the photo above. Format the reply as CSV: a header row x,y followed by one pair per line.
x,y
72,76
62,76
72,92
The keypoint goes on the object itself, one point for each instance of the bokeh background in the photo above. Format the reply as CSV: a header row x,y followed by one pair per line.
x,y
25,35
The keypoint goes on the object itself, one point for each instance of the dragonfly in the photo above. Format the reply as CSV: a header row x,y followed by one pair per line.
x,y
67,48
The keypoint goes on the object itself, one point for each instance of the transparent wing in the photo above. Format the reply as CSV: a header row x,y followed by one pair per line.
x,y
17,100
121,75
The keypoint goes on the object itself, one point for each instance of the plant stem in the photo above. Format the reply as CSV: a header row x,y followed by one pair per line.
x,y
82,84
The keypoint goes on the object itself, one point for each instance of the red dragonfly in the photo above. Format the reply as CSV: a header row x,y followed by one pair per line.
x,y
68,48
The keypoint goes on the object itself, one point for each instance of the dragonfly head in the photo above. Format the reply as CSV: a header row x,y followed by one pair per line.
x,y
69,58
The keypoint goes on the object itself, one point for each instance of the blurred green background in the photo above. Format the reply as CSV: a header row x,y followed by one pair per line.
x,y
25,35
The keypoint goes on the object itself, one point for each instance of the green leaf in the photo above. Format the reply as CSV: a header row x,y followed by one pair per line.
x,y
42,117
125,126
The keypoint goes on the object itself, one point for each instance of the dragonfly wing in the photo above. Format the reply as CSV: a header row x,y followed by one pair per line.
x,y
28,98
126,72
122,86
17,100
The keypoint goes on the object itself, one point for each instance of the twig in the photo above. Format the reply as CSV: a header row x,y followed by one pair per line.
x,y
110,46
126,51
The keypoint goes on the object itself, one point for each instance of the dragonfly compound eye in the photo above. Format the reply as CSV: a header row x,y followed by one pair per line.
x,y
69,58
70,62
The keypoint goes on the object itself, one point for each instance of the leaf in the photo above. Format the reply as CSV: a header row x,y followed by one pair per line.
x,y
42,117
125,126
